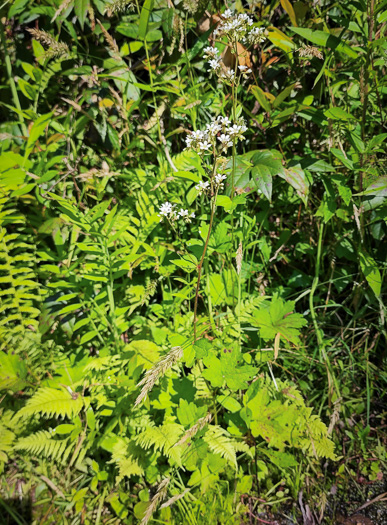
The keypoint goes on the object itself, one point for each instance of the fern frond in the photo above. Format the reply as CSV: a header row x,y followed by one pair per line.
x,y
219,442
7,437
162,438
19,288
53,402
127,465
43,443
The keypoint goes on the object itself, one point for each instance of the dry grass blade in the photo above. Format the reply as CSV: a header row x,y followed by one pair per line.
x,y
194,429
110,41
63,6
173,500
239,258
157,371
157,498
55,48
118,6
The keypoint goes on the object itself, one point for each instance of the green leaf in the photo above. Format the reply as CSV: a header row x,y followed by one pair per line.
x,y
266,164
261,97
188,263
322,38
202,347
371,272
81,8
26,88
228,369
187,413
296,177
147,352
17,7
53,402
279,319
229,403
36,131
336,113
13,372
378,187
144,18
290,11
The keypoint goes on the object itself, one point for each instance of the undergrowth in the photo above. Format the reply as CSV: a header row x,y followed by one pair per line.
x,y
192,253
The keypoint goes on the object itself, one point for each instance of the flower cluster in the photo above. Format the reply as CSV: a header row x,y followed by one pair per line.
x,y
245,71
238,28
167,210
217,182
220,129
202,186
233,27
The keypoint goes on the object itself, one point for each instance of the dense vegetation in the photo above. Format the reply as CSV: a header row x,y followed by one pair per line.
x,y
192,249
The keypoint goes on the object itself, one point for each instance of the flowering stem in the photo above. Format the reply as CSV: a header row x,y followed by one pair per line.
x,y
234,105
200,265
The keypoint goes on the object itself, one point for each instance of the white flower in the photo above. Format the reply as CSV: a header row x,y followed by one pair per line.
x,y
213,129
228,74
256,35
224,120
245,71
218,179
199,141
211,52
225,141
202,186
167,210
236,130
214,64
184,214
234,27
204,145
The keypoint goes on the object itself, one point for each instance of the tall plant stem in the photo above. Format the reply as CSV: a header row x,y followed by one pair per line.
x,y
364,94
234,94
200,265
8,66
320,341
151,79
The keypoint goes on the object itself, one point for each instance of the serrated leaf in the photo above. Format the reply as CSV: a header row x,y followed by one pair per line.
x,y
278,318
228,369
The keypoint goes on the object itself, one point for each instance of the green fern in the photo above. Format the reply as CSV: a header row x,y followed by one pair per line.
x,y
45,443
127,465
53,402
7,438
162,438
19,289
220,443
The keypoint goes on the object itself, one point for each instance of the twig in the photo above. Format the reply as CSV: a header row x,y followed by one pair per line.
x,y
381,497
53,486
